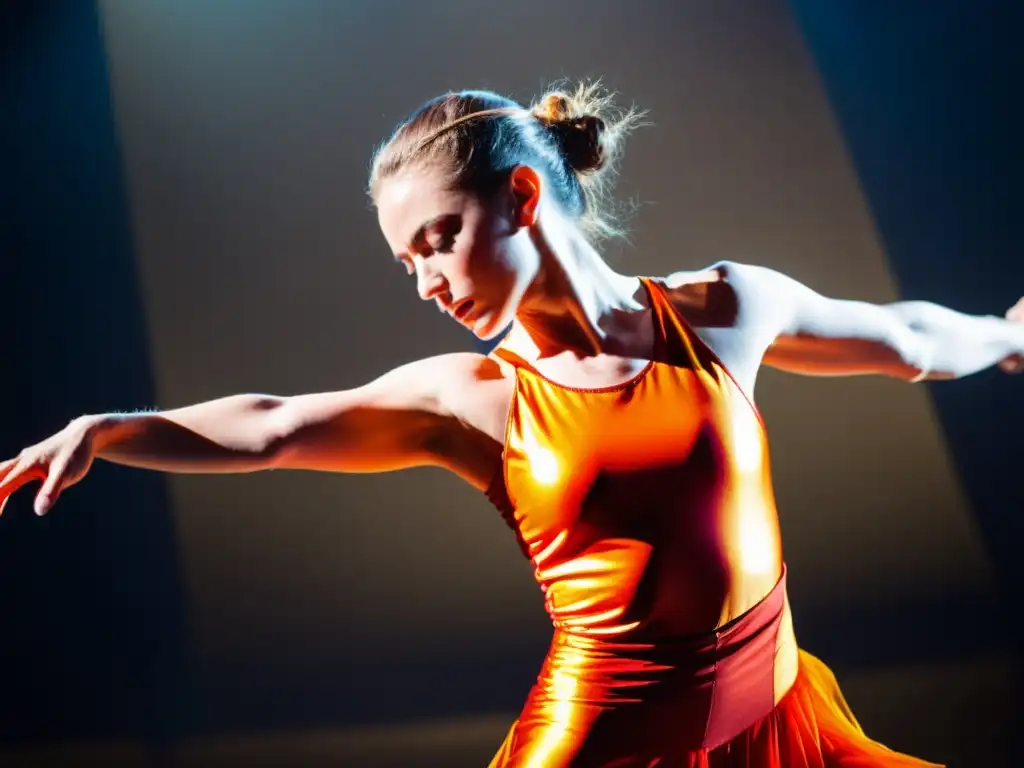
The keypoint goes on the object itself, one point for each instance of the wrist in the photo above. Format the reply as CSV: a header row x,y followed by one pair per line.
x,y
1015,331
101,429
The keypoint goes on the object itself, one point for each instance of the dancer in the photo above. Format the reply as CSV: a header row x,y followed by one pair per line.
x,y
613,426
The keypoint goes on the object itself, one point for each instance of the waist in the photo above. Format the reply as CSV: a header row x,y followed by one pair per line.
x,y
708,686
626,590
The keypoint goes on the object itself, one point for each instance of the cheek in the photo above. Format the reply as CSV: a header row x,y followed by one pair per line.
x,y
495,263
493,259
519,259
480,262
499,271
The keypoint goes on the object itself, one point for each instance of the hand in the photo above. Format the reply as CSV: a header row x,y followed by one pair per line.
x,y
60,461
1014,363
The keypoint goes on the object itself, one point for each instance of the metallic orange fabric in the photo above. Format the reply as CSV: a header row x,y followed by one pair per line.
x,y
648,513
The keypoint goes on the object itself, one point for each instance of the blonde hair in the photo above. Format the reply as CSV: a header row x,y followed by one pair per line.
x,y
573,137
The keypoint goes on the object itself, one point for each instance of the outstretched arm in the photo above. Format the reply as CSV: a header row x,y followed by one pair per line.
x,y
399,420
389,423
913,340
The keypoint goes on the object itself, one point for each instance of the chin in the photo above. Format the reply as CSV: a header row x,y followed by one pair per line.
x,y
490,327
487,332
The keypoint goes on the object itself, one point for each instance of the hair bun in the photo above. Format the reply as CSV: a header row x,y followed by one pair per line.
x,y
579,136
555,107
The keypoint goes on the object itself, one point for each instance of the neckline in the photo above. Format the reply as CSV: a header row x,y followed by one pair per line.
x,y
656,350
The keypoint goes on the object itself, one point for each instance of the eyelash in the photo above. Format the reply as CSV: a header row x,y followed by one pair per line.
x,y
445,246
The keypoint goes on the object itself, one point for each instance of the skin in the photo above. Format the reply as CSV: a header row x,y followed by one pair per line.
x,y
517,258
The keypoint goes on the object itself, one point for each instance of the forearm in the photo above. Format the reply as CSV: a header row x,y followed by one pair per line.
x,y
953,344
227,435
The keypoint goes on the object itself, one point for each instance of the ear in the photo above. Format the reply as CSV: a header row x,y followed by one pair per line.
x,y
525,185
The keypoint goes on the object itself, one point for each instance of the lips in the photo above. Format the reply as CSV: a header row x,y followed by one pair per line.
x,y
463,310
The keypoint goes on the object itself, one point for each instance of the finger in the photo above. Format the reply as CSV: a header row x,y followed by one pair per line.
x,y
19,477
15,480
7,466
52,486
1013,364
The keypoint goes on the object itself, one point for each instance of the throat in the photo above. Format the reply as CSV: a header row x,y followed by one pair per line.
x,y
623,346
598,313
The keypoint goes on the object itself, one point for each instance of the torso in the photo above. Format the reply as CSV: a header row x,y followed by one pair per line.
x,y
480,392
639,488
483,402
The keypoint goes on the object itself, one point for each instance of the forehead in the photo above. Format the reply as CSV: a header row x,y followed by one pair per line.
x,y
408,200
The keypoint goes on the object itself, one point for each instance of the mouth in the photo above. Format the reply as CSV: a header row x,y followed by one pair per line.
x,y
463,310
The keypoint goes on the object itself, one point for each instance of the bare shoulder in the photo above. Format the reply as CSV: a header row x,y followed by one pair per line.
x,y
733,275
477,390
730,305
467,396
696,279
725,293
706,297
458,373
446,372
455,385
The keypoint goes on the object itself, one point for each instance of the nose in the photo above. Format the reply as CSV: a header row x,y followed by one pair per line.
x,y
430,283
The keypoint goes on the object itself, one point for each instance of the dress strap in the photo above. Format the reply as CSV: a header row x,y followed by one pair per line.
x,y
675,341
510,357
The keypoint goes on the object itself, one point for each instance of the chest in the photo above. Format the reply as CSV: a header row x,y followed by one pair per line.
x,y
632,446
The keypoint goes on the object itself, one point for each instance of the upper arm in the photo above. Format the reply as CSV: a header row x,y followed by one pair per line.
x,y
803,331
398,420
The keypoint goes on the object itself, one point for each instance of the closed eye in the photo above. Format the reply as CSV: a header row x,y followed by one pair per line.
x,y
439,236
443,243
435,236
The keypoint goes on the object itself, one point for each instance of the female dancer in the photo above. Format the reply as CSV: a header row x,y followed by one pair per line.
x,y
613,426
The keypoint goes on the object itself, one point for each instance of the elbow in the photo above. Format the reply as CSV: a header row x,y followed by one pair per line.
x,y
275,430
923,358
273,452
916,353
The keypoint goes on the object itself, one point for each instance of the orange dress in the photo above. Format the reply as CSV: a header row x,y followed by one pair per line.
x,y
648,513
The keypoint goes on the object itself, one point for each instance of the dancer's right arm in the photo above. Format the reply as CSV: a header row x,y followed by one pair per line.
x,y
398,420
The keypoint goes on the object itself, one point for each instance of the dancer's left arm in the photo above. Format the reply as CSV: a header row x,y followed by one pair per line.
x,y
816,335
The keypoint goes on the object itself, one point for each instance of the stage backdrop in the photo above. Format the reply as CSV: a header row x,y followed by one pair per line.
x,y
246,131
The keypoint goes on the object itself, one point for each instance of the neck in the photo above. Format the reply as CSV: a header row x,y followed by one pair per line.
x,y
577,303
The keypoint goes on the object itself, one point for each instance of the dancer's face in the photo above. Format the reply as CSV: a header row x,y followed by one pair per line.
x,y
473,257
